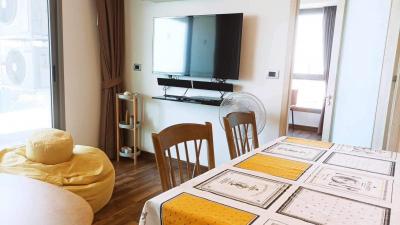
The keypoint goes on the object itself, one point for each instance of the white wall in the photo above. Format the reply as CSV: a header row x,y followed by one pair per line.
x,y
264,47
81,70
363,44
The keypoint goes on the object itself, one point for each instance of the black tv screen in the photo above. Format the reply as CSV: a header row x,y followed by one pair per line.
x,y
198,46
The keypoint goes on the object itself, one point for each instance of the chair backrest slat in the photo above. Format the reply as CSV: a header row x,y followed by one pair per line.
x,y
171,167
195,169
241,139
187,161
246,130
237,148
174,136
237,126
179,164
198,157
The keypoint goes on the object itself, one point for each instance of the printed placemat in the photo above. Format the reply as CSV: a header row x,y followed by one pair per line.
x,y
362,163
295,151
275,166
322,208
189,209
367,152
350,182
243,187
307,142
274,222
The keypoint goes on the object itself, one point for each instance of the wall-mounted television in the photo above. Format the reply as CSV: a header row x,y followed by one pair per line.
x,y
205,46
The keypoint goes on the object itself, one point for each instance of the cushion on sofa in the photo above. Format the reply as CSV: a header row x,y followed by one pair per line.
x,y
50,146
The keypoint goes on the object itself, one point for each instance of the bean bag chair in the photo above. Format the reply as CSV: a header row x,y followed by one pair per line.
x,y
83,170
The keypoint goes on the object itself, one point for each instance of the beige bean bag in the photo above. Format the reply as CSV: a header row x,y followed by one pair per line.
x,y
83,170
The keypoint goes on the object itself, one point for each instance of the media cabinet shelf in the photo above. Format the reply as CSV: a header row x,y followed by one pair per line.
x,y
193,100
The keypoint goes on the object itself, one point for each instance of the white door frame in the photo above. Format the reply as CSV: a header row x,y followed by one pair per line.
x,y
283,123
334,70
336,47
382,114
392,134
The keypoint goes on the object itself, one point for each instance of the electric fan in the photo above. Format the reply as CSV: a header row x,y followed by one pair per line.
x,y
243,102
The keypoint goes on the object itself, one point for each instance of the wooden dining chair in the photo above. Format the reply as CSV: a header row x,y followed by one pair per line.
x,y
237,125
168,141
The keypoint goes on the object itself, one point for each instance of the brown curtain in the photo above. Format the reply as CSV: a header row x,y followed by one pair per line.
x,y
111,36
329,28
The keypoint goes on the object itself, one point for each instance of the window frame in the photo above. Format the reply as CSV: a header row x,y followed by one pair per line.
x,y
56,63
304,76
308,76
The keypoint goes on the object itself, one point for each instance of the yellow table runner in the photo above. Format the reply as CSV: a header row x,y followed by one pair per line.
x,y
274,166
189,209
311,143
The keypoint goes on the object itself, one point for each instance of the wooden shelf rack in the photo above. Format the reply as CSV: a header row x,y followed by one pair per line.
x,y
131,122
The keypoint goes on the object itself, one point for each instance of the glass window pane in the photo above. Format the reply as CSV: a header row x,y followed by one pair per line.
x,y
25,92
311,93
308,58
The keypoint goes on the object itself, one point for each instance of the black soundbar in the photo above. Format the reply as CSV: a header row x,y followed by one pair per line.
x,y
192,99
203,85
213,86
174,83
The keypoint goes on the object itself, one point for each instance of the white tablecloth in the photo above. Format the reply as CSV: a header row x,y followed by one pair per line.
x,y
343,185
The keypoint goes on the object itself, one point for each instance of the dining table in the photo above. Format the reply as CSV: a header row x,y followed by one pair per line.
x,y
288,181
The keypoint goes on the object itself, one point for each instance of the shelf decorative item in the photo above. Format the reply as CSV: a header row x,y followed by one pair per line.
x,y
130,122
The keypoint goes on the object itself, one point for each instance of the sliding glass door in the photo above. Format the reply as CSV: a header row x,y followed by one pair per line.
x,y
27,70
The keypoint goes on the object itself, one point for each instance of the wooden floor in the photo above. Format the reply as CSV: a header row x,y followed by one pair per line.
x,y
134,186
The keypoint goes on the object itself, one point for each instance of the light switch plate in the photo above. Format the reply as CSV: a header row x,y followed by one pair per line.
x,y
273,75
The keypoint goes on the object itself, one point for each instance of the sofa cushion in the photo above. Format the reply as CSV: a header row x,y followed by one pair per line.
x,y
50,146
